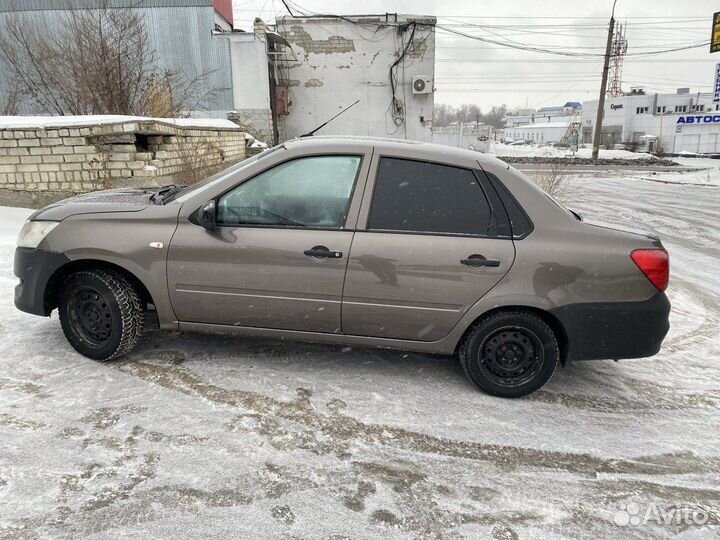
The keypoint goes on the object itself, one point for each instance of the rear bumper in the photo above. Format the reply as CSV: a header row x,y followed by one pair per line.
x,y
35,267
615,330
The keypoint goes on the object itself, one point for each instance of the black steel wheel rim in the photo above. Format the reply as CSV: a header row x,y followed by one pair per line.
x,y
90,315
511,356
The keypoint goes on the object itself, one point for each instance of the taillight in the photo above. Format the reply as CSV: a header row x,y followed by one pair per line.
x,y
655,264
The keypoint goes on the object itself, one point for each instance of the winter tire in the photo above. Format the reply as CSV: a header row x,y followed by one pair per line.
x,y
510,354
101,314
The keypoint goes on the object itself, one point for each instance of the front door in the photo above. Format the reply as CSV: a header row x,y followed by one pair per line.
x,y
431,249
278,256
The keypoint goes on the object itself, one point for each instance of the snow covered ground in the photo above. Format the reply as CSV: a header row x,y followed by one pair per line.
x,y
535,150
196,436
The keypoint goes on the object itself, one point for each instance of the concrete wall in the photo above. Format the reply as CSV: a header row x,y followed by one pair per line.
x,y
675,130
474,138
338,62
251,84
76,159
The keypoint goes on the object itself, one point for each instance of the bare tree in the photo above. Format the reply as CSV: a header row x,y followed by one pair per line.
x,y
10,102
98,61
554,181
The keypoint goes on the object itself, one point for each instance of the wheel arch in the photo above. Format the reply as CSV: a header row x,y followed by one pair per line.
x,y
553,322
52,289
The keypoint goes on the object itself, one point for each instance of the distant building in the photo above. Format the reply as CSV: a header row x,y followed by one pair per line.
x,y
545,115
292,77
680,122
541,132
179,30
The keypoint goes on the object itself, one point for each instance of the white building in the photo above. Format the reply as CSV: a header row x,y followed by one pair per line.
x,y
552,131
681,122
289,79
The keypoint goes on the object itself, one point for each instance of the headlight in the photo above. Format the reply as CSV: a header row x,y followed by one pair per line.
x,y
33,233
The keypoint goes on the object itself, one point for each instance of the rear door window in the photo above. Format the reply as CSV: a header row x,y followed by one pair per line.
x,y
427,197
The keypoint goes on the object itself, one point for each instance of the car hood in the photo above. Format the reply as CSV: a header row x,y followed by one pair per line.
x,y
112,200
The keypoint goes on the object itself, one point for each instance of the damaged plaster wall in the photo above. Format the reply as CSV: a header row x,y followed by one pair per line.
x,y
337,61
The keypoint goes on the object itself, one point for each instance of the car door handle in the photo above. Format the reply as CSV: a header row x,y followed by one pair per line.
x,y
477,261
321,252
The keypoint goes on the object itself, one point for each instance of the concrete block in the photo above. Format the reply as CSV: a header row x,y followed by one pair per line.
x,y
8,143
84,150
123,148
74,132
77,158
51,141
30,159
41,151
122,157
8,169
9,160
74,141
28,142
29,168
53,159
18,152
49,167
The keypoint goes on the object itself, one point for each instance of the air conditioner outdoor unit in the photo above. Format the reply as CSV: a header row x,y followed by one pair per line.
x,y
422,84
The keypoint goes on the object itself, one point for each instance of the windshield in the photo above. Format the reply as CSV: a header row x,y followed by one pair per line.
x,y
189,191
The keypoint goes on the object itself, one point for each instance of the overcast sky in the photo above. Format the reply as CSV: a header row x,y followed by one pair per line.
x,y
471,71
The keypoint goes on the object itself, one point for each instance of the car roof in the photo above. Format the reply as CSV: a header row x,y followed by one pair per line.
x,y
382,144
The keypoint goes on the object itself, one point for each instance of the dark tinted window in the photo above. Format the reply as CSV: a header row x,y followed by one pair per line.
x,y
426,197
520,223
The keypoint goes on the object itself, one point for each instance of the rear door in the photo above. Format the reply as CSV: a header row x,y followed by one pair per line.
x,y
436,239
278,256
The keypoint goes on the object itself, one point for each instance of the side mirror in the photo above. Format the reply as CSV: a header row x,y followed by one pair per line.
x,y
207,217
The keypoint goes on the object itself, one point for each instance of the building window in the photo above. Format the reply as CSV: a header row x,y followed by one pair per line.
x,y
698,108
662,109
680,108
641,110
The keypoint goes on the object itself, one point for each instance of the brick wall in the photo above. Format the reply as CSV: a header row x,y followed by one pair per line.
x,y
139,153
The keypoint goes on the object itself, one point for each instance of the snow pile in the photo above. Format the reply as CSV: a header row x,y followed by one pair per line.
x,y
533,150
40,122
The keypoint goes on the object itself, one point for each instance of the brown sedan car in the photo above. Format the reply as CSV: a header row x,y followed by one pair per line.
x,y
366,242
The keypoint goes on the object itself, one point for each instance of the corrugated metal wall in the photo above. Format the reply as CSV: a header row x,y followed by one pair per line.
x,y
181,37
32,5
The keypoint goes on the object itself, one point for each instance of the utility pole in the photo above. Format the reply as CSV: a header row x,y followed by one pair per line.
x,y
603,86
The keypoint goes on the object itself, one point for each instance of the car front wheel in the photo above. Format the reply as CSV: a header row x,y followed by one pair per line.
x,y
510,354
101,314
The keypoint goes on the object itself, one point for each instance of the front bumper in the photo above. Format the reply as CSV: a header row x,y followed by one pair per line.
x,y
614,330
35,267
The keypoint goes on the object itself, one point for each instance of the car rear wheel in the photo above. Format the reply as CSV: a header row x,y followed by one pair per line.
x,y
101,314
510,354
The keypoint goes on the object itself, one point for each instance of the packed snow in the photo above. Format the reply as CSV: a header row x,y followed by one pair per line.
x,y
536,150
199,436
41,122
